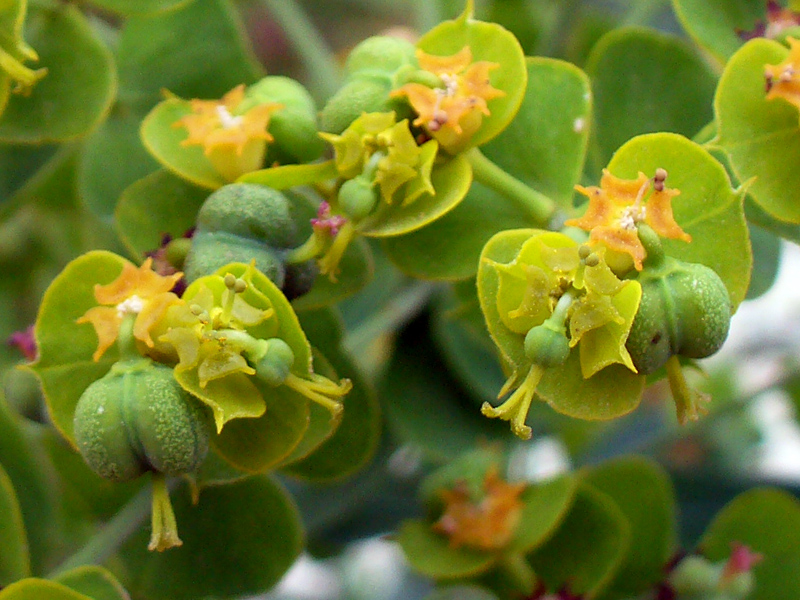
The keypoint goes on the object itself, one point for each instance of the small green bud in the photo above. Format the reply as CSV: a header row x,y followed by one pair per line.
x,y
177,250
294,127
137,418
353,99
695,575
357,198
274,366
380,54
546,347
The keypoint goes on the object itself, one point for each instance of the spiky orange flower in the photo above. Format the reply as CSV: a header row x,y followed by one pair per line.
x,y
453,112
215,123
488,524
618,206
783,80
137,290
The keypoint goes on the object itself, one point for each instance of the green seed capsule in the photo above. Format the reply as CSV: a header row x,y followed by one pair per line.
x,y
351,101
212,250
251,211
137,419
546,347
685,310
294,127
380,54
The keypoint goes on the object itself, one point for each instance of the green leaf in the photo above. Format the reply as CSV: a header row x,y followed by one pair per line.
x,y
163,141
425,406
257,445
234,396
65,366
758,216
707,208
356,439
588,548
715,24
556,103
430,553
644,494
450,179
27,467
767,521
40,589
488,42
545,145
78,89
759,135
153,54
644,81
766,259
113,157
132,8
96,582
154,206
238,541
545,505
14,558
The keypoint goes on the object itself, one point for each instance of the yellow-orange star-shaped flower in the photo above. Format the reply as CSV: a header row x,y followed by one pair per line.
x,y
233,139
486,525
783,80
140,291
618,206
453,112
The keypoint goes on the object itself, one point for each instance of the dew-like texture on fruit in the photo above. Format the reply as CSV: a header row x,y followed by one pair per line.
x,y
137,419
251,211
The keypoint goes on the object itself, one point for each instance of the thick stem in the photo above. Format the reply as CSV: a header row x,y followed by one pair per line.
x,y
165,528
125,340
519,571
308,43
540,207
689,402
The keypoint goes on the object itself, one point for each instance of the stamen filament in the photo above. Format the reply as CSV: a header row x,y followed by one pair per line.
x,y
165,528
311,389
516,408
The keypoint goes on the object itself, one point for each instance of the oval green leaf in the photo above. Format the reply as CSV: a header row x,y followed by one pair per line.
x,y
65,366
159,204
644,494
78,89
645,81
163,141
450,179
430,553
767,521
716,24
14,558
238,541
761,137
545,505
707,208
587,549
40,589
96,582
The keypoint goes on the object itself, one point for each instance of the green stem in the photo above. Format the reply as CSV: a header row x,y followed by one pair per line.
x,y
519,571
108,540
125,340
540,207
307,41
